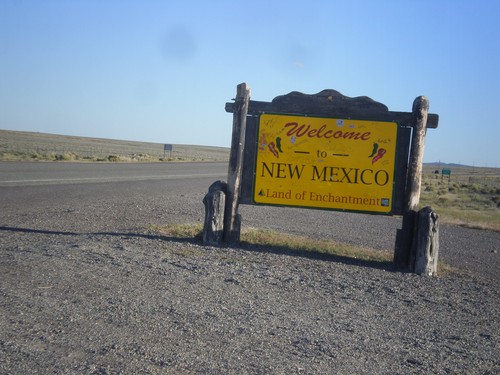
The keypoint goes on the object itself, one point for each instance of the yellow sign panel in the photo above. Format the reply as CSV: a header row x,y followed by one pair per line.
x,y
325,163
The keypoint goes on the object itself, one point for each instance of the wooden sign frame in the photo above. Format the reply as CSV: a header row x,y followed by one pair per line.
x,y
410,139
332,104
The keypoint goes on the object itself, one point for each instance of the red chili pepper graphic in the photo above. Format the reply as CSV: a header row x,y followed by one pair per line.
x,y
272,148
381,152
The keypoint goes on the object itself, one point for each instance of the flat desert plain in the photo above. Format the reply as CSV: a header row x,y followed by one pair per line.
x,y
18,145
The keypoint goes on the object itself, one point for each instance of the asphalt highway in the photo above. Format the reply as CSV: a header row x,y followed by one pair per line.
x,y
23,174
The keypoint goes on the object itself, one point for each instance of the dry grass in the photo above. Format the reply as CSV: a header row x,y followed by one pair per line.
x,y
471,197
300,243
293,243
29,146
259,237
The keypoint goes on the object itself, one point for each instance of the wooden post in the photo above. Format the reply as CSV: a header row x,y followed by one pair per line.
x,y
404,238
426,243
231,218
214,202
420,112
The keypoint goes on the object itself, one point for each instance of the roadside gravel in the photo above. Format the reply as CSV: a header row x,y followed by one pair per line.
x,y
106,304
102,295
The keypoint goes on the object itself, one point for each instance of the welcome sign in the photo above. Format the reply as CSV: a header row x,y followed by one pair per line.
x,y
328,163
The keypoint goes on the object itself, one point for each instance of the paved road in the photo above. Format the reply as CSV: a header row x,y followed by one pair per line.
x,y
84,197
124,197
23,174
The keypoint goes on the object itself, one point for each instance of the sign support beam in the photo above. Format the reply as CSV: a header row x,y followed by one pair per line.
x,y
405,245
232,220
420,112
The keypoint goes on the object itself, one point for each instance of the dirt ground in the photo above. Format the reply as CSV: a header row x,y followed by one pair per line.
x,y
120,303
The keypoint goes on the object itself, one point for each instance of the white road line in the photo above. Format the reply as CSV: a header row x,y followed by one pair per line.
x,y
49,181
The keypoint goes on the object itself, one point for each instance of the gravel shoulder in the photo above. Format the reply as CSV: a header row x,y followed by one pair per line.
x,y
130,303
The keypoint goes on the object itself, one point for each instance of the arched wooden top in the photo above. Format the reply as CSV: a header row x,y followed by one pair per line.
x,y
332,103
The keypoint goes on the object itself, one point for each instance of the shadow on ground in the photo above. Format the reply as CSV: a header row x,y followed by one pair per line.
x,y
243,246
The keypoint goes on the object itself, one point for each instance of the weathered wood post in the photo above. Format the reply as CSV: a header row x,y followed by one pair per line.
x,y
404,240
420,112
214,201
426,242
232,220
410,244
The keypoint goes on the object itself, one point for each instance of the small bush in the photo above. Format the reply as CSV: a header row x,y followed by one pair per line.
x,y
67,156
475,187
485,190
443,201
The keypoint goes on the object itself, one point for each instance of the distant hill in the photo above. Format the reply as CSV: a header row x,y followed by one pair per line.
x,y
460,169
19,145
437,163
447,164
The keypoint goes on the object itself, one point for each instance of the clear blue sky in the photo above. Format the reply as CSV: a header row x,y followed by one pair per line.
x,y
161,71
